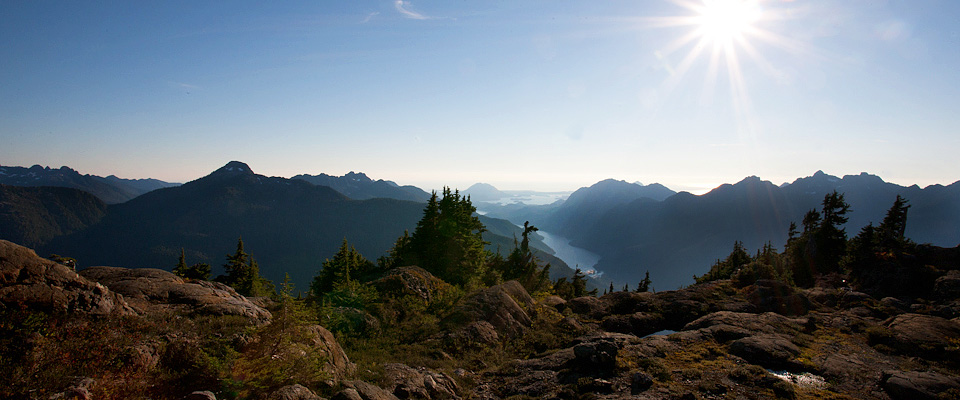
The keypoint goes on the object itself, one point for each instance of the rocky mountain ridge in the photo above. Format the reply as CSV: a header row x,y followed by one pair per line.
x,y
766,340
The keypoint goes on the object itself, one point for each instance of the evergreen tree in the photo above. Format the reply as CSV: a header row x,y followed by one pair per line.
x,y
448,241
198,271
181,268
821,246
725,269
347,265
894,224
243,274
644,285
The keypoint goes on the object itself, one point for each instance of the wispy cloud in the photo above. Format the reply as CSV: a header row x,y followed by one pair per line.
x,y
370,16
401,6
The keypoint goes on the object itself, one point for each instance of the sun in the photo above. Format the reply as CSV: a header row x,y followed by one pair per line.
x,y
721,35
723,21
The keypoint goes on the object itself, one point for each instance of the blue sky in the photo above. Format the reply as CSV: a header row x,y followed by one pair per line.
x,y
547,95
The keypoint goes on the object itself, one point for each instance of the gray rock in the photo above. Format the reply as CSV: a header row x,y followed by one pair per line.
x,y
363,391
500,306
201,395
589,306
410,281
554,301
947,287
915,385
37,283
477,334
923,334
726,325
294,392
420,383
147,288
639,382
347,394
336,360
770,351
598,354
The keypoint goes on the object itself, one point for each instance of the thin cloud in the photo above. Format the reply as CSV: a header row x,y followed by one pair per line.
x,y
370,16
401,5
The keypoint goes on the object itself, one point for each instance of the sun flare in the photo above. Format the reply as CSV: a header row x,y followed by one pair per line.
x,y
724,20
720,36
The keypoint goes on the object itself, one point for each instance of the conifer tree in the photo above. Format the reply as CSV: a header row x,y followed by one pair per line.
x,y
448,241
644,285
243,274
346,265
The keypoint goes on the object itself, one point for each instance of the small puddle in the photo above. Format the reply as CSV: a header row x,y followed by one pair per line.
x,y
661,333
805,380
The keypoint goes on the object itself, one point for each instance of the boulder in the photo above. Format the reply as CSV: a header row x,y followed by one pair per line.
x,y
27,280
149,289
420,383
201,395
914,385
336,360
924,334
726,325
947,287
410,281
294,392
478,334
639,323
359,390
589,306
499,305
554,301
770,351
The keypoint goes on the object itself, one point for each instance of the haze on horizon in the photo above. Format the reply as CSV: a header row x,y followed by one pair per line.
x,y
536,95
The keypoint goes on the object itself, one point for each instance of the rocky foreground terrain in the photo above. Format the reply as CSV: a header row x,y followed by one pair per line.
x,y
144,333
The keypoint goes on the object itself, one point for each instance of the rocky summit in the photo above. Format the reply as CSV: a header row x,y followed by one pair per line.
x,y
111,332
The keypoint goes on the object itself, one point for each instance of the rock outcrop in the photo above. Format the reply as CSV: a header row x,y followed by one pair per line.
x,y
27,280
294,392
504,306
149,289
410,281
419,383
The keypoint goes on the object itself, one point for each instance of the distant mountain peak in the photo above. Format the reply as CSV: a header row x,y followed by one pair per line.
x,y
357,176
234,168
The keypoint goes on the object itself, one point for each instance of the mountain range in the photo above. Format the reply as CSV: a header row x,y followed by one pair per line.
x,y
291,225
357,186
288,225
111,190
681,235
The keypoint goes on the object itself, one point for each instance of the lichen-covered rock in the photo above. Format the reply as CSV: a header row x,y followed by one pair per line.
x,y
499,305
477,334
336,360
947,287
294,392
770,351
201,395
589,306
410,281
726,325
554,301
363,391
914,385
148,289
420,383
924,334
33,282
